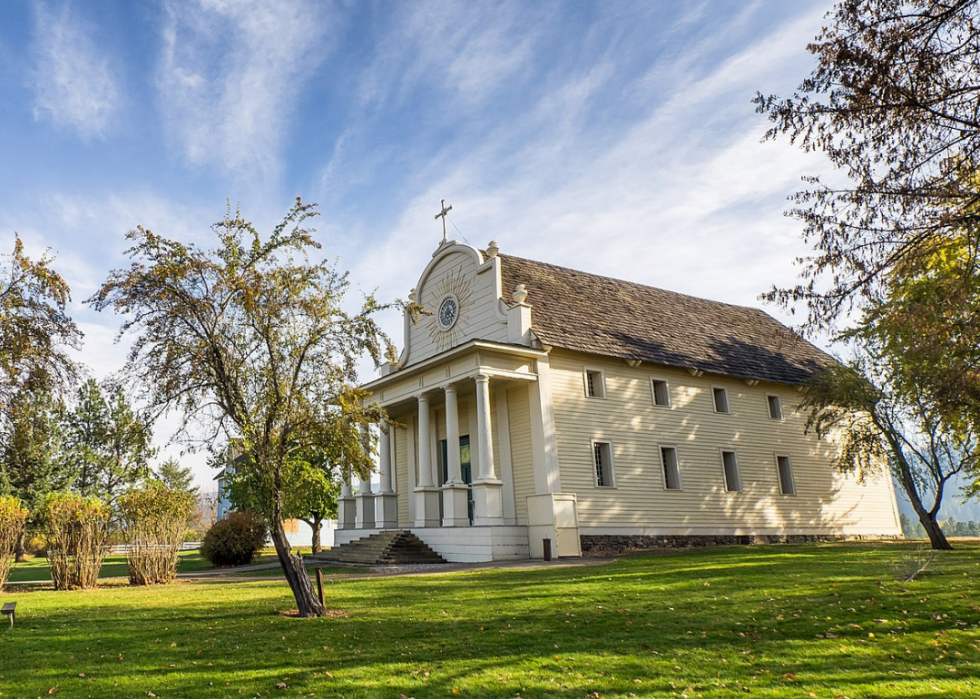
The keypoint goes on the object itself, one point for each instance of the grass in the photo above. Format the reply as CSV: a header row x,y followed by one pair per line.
x,y
36,569
779,621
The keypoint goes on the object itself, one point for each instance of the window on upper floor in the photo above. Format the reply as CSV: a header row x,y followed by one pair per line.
x,y
595,384
775,408
661,392
672,474
721,399
730,463
785,470
602,459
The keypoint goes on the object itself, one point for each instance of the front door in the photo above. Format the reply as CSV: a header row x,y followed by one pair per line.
x,y
465,468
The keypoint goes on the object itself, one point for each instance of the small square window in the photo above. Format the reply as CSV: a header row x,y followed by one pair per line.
x,y
721,400
785,469
661,392
595,385
775,408
732,482
672,475
602,460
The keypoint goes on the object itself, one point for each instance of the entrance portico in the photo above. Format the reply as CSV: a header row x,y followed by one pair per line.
x,y
460,398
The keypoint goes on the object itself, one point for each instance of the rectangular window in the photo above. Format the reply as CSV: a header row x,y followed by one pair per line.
x,y
672,475
661,393
785,469
732,481
602,459
595,386
775,408
721,400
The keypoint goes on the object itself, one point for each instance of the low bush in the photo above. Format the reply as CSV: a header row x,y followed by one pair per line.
x,y
76,529
234,540
154,520
12,519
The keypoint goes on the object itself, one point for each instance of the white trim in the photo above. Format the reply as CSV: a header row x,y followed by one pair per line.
x,y
601,392
653,392
714,400
779,405
612,463
779,476
738,471
677,466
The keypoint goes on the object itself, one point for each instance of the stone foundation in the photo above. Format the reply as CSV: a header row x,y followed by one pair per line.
x,y
609,545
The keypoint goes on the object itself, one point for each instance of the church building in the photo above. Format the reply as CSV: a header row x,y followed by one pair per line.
x,y
540,410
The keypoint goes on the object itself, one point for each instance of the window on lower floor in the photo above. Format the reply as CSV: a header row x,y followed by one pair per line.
x,y
785,469
672,474
730,463
602,460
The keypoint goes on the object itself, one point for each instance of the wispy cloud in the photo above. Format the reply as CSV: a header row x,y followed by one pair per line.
x,y
75,83
681,196
229,75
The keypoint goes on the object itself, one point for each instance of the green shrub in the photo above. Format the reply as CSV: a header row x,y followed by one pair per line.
x,y
12,518
76,529
154,520
234,540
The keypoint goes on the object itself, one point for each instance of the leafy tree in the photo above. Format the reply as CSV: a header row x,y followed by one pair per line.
x,y
154,521
35,331
892,104
311,496
878,420
176,477
30,442
252,340
107,443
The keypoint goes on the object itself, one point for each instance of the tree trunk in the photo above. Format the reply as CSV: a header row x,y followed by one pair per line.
x,y
20,549
299,582
317,526
937,539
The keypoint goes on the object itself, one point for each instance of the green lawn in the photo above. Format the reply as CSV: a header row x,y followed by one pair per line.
x,y
36,569
773,621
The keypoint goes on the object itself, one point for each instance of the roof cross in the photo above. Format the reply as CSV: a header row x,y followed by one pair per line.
x,y
442,215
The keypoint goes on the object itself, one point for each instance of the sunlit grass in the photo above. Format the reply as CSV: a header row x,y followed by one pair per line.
x,y
780,621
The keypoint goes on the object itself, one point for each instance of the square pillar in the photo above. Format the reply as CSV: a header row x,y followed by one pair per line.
x,y
346,515
364,505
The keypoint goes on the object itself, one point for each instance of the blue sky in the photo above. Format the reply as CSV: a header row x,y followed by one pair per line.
x,y
613,136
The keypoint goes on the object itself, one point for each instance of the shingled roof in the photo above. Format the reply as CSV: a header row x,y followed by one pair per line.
x,y
588,313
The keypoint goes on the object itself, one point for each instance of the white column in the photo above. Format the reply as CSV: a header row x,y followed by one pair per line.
x,y
364,500
345,506
487,506
426,494
452,437
384,459
425,452
455,493
484,432
386,501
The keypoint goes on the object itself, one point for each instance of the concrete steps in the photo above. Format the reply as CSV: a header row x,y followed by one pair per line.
x,y
389,547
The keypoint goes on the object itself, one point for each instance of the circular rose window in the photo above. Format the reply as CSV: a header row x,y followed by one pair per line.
x,y
448,312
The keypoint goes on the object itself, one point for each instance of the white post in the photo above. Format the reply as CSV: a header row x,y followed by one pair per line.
x,y
455,493
487,505
345,506
386,501
426,494
364,500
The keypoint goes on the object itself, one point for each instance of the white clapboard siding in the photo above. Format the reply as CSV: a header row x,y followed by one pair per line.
x,y
522,459
825,500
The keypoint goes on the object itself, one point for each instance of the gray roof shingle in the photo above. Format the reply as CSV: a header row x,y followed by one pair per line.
x,y
588,313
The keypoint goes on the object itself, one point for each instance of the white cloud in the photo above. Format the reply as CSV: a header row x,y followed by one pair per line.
x,y
684,198
229,75
75,83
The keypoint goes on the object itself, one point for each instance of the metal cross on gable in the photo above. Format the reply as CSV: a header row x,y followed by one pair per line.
x,y
442,215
